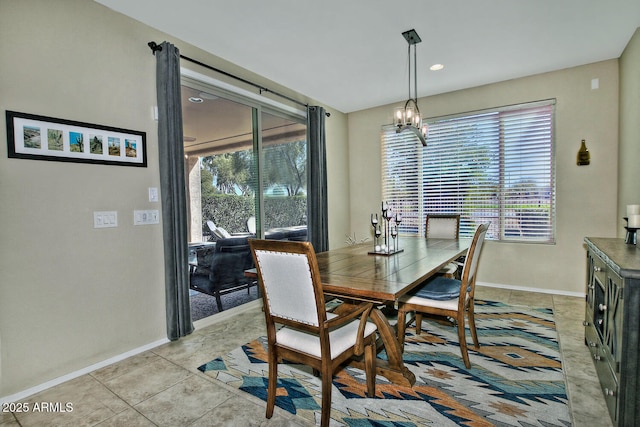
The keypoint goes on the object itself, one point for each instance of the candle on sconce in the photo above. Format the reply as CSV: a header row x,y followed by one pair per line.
x,y
632,210
634,221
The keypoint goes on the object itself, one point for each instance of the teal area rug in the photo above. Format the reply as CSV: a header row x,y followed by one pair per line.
x,y
515,379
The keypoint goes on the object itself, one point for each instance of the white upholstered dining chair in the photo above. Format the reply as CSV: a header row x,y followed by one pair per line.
x,y
441,226
292,293
442,296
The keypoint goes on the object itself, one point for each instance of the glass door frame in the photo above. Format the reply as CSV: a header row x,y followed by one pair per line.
x,y
259,105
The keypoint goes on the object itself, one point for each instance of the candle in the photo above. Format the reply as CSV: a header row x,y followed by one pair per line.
x,y
632,210
634,221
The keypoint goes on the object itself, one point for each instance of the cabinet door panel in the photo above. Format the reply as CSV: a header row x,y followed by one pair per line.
x,y
591,339
613,321
590,285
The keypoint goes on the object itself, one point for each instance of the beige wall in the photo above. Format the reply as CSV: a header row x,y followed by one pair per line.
x,y
586,195
338,178
71,295
629,155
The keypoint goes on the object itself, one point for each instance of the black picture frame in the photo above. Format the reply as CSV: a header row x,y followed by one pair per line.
x,y
35,137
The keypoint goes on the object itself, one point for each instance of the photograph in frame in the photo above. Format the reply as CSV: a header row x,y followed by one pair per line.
x,y
36,137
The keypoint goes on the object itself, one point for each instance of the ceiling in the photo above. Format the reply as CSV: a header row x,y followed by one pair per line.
x,y
350,54
216,125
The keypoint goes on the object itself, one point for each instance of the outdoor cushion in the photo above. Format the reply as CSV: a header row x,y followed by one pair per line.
x,y
440,289
221,233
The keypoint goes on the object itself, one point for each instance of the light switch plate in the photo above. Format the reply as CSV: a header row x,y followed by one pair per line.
x,y
153,194
146,217
105,219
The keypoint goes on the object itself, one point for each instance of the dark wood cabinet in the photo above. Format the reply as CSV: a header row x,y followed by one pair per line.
x,y
612,324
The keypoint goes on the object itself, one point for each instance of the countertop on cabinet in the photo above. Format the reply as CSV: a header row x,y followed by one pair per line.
x,y
621,257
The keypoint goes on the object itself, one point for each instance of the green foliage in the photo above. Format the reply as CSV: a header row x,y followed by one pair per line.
x,y
229,211
206,184
232,171
285,211
228,187
286,165
232,211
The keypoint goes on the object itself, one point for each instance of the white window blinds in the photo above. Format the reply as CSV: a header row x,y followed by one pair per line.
x,y
494,165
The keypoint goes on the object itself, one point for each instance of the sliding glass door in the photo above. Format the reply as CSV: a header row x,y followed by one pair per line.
x,y
283,157
246,167
219,146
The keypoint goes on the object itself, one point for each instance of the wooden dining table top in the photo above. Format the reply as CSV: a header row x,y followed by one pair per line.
x,y
354,273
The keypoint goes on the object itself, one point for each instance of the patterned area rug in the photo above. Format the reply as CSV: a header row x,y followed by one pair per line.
x,y
515,379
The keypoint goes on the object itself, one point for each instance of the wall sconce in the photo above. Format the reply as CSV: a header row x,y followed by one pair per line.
x,y
583,158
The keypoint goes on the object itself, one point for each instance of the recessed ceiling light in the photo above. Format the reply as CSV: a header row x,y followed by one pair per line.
x,y
436,67
196,100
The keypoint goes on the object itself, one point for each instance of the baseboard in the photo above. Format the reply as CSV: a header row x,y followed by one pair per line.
x,y
56,381
530,289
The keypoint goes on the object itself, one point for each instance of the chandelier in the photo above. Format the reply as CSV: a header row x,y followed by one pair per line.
x,y
408,118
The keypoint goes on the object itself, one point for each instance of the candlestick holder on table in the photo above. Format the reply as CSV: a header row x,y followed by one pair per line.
x,y
398,220
632,236
390,231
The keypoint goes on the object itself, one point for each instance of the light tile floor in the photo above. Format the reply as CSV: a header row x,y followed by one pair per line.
x,y
162,387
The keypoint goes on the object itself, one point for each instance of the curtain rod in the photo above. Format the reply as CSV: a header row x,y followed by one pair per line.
x,y
155,47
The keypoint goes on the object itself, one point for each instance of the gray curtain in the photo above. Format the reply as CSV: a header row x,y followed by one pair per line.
x,y
172,186
318,223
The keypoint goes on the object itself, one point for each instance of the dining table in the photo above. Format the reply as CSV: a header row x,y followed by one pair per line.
x,y
356,273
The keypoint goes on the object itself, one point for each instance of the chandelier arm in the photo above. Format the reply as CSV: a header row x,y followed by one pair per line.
x,y
406,104
417,132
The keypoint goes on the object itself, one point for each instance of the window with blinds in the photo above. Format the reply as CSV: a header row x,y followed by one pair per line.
x,y
494,165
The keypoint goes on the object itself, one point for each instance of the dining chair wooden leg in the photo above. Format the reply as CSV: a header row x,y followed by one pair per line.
x,y
472,326
273,380
463,340
418,323
370,367
401,327
325,411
